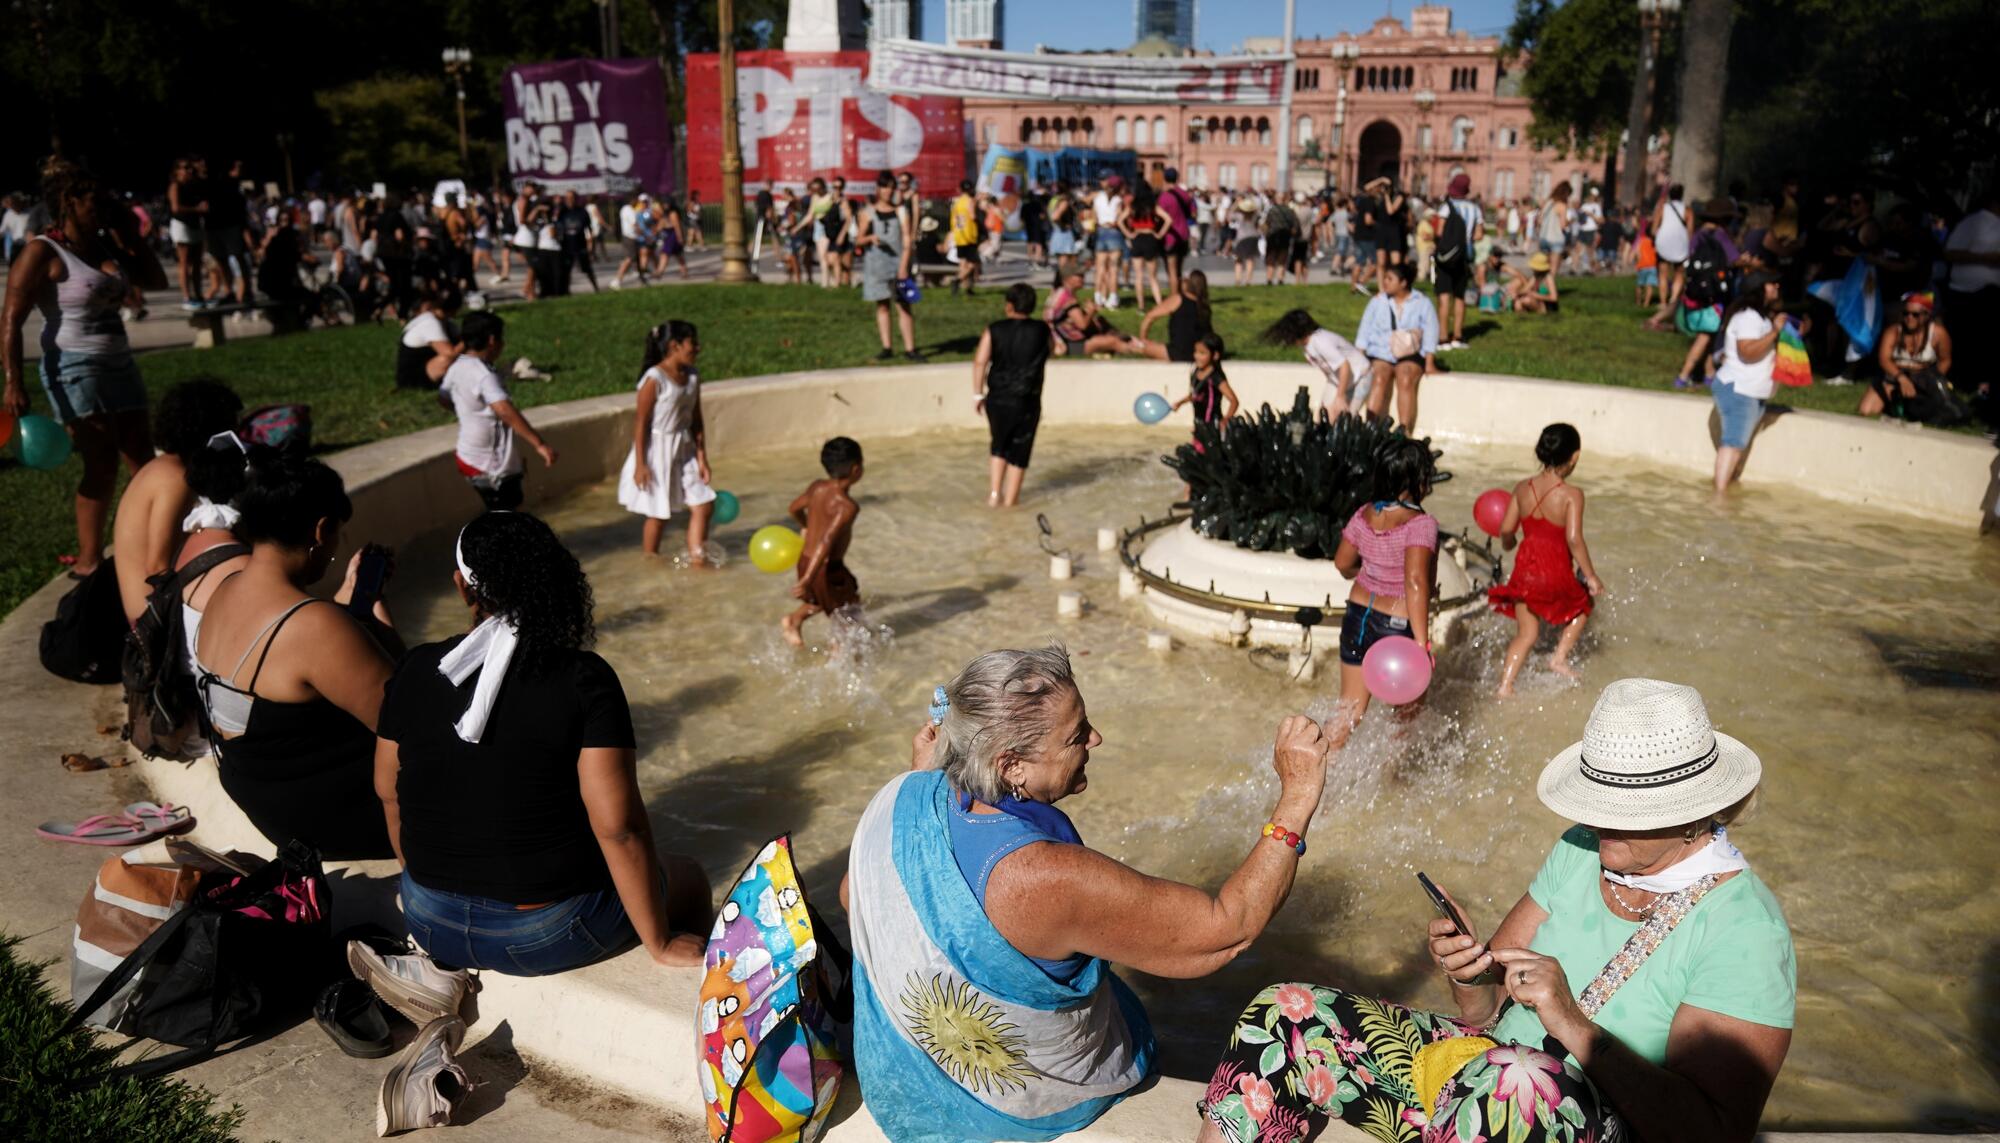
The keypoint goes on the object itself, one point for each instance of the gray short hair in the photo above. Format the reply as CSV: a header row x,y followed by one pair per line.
x,y
1000,703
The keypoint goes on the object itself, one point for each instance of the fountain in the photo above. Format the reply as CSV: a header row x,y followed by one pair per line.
x,y
1251,561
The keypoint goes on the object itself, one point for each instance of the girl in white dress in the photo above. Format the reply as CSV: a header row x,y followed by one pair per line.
x,y
667,471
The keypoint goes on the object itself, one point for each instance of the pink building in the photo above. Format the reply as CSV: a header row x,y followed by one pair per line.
x,y
1421,102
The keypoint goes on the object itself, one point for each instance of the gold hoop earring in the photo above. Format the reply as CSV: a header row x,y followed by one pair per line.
x,y
1692,833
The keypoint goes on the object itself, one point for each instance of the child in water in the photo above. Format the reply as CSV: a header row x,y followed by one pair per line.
x,y
667,470
1544,587
1389,547
826,510
1346,369
1208,387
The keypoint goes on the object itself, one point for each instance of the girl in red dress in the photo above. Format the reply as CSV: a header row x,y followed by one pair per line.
x,y
1544,587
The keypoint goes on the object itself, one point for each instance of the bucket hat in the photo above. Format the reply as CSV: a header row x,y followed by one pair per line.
x,y
1650,758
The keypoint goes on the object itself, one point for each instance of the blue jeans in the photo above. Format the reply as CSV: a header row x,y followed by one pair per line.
x,y
1739,414
1362,629
476,932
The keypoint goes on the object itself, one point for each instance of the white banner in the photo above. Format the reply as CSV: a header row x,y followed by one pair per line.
x,y
918,68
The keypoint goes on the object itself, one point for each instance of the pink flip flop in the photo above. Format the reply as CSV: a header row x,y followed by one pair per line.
x,y
141,822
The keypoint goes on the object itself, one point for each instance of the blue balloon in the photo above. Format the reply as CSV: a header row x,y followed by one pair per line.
x,y
44,444
1151,408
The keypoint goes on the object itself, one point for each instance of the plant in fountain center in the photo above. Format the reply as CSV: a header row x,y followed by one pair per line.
x,y
1285,482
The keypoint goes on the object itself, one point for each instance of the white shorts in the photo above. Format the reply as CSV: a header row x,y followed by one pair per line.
x,y
1357,398
179,232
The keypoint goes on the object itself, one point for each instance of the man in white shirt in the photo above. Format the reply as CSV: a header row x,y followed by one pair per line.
x,y
13,229
488,422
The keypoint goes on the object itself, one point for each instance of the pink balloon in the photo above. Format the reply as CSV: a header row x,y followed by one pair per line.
x,y
1490,510
1396,670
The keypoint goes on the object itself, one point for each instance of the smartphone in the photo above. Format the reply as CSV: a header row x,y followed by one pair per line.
x,y
1444,906
368,579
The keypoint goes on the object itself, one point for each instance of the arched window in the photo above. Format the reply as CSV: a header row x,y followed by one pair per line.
x,y
1235,130
1461,135
1195,131
1503,184
1260,176
1540,185
1197,175
1424,137
1263,131
1121,132
1305,130
1226,176
1160,130
1142,132
1027,130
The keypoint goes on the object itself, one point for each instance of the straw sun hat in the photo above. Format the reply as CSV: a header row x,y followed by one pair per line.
x,y
1649,759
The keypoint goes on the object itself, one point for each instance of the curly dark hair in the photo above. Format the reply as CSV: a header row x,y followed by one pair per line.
x,y
193,411
526,574
1291,329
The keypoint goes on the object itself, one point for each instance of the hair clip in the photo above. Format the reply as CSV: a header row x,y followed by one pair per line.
x,y
228,437
940,706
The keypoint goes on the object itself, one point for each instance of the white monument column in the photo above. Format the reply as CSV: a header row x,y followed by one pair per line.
x,y
825,26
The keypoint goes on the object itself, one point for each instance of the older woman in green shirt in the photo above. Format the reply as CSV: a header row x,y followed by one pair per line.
x,y
1642,988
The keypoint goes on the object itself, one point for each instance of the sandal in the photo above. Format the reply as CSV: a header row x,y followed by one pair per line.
x,y
142,822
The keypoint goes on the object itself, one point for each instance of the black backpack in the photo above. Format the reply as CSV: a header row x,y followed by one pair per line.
x,y
85,639
1454,238
162,710
1710,279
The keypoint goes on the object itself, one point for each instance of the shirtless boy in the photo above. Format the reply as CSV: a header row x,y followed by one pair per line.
x,y
826,510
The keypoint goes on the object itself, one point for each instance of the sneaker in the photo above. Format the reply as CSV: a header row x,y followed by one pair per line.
x,y
885,355
1364,291
425,1084
913,355
413,985
1681,382
1838,381
352,1016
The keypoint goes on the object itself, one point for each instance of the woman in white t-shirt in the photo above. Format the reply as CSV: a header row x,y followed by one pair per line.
x,y
1348,374
1743,381
1107,204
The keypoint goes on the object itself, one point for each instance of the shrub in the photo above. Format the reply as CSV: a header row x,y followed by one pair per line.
x,y
1284,483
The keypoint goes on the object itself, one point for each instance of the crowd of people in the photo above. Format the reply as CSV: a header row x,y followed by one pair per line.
x,y
498,767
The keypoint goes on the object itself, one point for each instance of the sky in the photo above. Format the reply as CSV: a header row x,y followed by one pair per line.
x,y
1220,24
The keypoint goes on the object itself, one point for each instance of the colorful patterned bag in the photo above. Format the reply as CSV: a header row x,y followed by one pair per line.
x,y
768,1028
1793,367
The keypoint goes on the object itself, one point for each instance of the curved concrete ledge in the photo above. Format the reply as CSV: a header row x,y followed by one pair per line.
x,y
629,1024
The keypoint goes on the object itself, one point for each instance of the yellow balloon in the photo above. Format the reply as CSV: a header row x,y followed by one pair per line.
x,y
775,548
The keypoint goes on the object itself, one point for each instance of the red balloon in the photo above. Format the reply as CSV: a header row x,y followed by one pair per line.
x,y
6,427
1490,510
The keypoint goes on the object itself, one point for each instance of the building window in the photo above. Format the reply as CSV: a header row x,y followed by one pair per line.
x,y
1195,130
1160,135
1234,131
1263,131
1305,130
1027,130
1121,132
1541,185
1507,138
1260,176
1197,175
1424,138
1226,176
1142,133
1503,184
1461,135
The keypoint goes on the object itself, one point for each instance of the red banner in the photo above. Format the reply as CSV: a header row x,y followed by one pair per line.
x,y
806,114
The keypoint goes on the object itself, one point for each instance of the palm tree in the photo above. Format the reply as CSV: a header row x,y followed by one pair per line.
x,y
1705,31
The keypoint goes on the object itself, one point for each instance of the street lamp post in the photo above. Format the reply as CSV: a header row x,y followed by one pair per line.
x,y
735,255
1653,17
1285,103
1426,99
1344,54
456,61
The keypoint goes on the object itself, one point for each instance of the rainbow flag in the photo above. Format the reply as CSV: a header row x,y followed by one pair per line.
x,y
1793,367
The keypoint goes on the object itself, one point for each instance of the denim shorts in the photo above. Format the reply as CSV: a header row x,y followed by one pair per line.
x,y
1361,628
1364,249
476,932
92,385
1110,240
1739,414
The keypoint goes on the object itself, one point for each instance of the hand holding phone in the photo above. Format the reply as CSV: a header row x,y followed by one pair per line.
x,y
1455,947
371,571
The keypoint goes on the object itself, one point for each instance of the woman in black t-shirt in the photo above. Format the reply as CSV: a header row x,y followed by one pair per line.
x,y
515,806
1007,390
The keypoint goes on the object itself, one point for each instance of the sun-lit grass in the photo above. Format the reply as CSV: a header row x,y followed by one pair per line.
x,y
593,343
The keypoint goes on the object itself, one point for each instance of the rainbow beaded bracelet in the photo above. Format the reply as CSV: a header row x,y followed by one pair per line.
x,y
1297,843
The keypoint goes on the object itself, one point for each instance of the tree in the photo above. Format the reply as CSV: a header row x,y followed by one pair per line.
x,y
391,128
1705,30
1582,59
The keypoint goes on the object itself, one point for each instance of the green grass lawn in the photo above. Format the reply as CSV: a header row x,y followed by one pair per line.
x,y
61,1090
593,343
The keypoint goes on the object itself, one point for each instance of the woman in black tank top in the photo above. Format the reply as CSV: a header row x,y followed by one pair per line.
x,y
1187,320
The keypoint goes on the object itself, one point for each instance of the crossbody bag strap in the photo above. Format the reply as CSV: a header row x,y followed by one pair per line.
x,y
1669,913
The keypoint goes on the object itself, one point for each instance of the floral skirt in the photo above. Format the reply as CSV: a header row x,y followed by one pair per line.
x,y
1301,1056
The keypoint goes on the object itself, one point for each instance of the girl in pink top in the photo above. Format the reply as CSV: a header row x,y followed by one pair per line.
x,y
1389,548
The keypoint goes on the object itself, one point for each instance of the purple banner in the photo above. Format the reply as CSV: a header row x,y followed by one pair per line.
x,y
592,126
